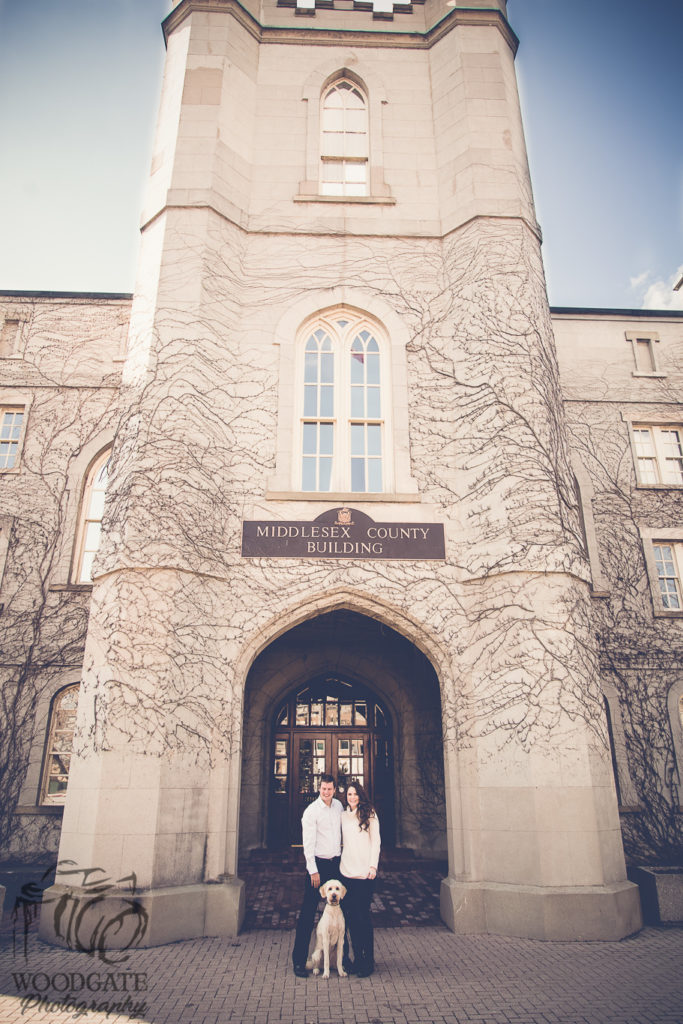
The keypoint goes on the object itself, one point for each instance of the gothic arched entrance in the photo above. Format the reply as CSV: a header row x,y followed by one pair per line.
x,y
361,662
331,724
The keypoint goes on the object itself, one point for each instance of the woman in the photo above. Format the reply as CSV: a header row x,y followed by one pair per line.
x,y
359,860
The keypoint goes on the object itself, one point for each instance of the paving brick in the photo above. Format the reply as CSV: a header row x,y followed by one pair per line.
x,y
425,975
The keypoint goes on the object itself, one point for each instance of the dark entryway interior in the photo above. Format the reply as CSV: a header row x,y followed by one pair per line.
x,y
359,690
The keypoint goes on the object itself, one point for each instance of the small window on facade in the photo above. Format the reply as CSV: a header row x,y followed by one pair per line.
x,y
344,146
667,562
60,738
645,357
343,428
659,454
11,426
644,347
8,338
92,509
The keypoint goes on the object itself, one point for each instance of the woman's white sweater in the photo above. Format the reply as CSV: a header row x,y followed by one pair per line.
x,y
360,847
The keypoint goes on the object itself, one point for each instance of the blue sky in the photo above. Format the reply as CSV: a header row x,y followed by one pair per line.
x,y
601,83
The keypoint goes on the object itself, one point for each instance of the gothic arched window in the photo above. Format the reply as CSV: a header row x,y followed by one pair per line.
x,y
344,144
343,424
60,738
90,521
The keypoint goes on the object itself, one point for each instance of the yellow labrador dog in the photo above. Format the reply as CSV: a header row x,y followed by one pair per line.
x,y
330,930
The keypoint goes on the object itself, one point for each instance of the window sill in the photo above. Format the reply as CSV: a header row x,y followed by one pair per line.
x,y
668,613
659,487
46,810
361,200
344,496
641,373
77,587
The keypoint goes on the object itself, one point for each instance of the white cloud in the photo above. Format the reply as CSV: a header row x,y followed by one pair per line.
x,y
661,294
636,282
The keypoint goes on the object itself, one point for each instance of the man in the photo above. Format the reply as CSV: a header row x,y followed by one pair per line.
x,y
321,831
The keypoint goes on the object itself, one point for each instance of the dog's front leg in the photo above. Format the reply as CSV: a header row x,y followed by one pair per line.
x,y
326,955
340,954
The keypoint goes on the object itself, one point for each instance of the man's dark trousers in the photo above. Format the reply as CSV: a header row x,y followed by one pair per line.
x,y
327,869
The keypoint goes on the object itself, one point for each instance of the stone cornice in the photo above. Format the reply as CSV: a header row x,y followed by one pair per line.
x,y
347,37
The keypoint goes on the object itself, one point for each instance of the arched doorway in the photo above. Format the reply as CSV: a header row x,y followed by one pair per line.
x,y
336,725
380,665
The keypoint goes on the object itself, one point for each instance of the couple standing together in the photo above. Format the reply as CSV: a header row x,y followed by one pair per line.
x,y
344,844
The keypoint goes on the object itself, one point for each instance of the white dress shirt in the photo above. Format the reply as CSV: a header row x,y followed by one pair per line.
x,y
321,831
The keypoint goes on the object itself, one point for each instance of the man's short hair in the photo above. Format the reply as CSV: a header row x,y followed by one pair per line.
x,y
328,778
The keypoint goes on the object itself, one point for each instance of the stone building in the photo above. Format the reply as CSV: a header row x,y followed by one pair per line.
x,y
336,490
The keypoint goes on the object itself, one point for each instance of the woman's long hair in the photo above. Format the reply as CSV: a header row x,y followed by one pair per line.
x,y
365,809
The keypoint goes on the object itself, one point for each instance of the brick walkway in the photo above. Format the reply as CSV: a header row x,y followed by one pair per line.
x,y
424,976
406,892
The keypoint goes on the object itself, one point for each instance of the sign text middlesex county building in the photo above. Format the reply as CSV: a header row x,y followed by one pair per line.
x,y
342,533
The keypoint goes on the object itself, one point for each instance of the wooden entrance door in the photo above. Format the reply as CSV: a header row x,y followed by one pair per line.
x,y
329,726
315,752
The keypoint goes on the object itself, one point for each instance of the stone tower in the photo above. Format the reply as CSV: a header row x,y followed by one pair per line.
x,y
341,324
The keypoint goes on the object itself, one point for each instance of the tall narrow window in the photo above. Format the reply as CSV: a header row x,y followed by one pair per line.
x,y
612,748
11,425
343,426
344,147
366,422
8,338
60,738
644,346
92,509
644,355
318,427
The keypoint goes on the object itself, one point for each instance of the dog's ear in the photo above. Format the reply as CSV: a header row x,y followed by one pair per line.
x,y
322,890
343,891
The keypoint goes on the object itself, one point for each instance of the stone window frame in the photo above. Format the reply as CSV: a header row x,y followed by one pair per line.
x,y
655,427
29,798
359,140
16,401
626,788
49,746
283,485
6,523
15,444
342,418
584,492
11,335
675,707
636,338
674,537
94,468
315,88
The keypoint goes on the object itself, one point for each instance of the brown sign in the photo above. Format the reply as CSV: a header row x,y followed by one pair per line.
x,y
342,533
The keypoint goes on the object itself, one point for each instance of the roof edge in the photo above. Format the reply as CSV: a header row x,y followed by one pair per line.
x,y
65,295
674,314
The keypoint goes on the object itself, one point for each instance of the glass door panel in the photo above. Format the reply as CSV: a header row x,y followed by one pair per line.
x,y
351,760
312,757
